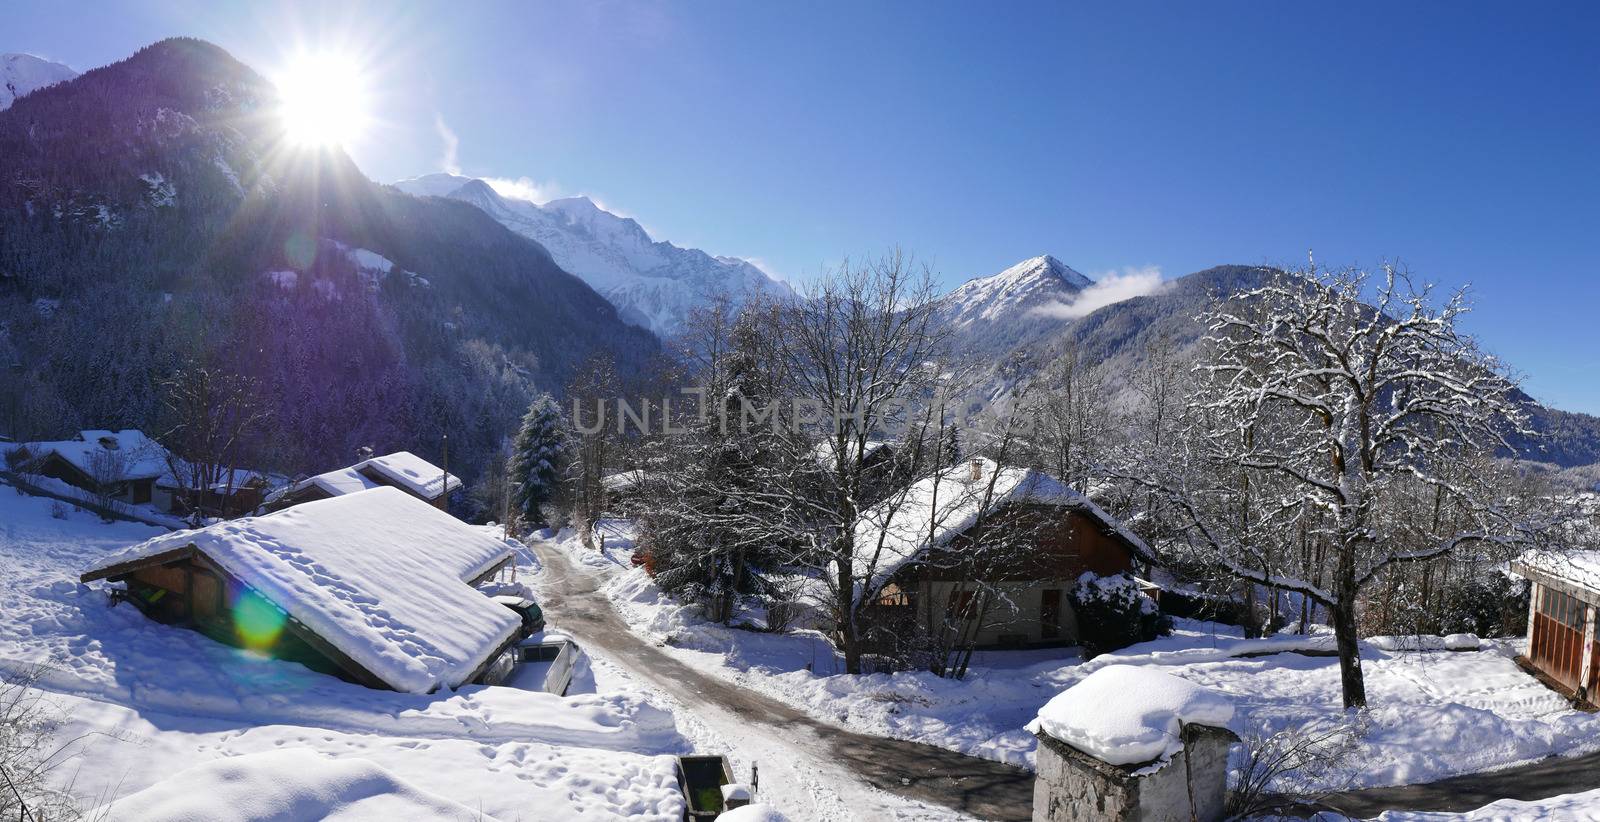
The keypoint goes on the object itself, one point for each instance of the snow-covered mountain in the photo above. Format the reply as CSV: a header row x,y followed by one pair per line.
x,y
23,73
653,284
994,314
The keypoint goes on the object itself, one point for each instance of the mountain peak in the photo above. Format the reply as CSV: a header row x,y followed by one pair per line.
x,y
1044,266
24,73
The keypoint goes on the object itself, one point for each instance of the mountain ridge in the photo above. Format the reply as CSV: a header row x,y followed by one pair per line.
x,y
653,283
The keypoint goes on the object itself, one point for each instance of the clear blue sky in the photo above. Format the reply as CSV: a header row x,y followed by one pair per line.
x,y
1462,139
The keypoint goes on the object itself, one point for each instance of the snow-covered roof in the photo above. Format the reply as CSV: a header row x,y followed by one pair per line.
x,y
823,452
380,575
143,457
1125,715
401,468
410,471
1581,568
943,505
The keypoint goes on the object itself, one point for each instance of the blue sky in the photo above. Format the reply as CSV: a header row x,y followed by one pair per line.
x,y
1462,139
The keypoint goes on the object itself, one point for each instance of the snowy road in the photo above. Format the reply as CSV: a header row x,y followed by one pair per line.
x,y
842,774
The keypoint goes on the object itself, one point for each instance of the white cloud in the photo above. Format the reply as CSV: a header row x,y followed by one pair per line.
x,y
524,188
1109,287
451,161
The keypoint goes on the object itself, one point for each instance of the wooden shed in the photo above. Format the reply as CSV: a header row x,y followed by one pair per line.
x,y
1561,617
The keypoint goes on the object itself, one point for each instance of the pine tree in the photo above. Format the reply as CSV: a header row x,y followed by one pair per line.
x,y
538,458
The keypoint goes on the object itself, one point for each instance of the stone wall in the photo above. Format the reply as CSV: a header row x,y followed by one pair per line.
x,y
1072,786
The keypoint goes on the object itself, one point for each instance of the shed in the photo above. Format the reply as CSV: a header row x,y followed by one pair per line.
x,y
1561,616
374,586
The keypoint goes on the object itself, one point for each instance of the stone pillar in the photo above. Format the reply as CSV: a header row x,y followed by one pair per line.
x,y
1072,786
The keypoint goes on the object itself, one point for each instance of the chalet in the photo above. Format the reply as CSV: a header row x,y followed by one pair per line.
x,y
402,469
1020,531
376,587
120,465
1561,617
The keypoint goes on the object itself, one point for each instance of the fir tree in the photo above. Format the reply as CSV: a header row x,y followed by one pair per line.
x,y
538,458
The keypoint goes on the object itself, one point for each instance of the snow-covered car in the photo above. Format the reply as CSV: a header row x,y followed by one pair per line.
x,y
530,612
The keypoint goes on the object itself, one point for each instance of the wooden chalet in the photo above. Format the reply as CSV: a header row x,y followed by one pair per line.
x,y
352,586
121,465
1026,535
401,469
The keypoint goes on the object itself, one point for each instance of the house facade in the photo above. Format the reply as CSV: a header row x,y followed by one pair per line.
x,y
989,552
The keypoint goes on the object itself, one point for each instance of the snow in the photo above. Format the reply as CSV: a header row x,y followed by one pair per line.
x,y
1123,715
285,785
757,812
413,472
1575,566
379,574
401,468
21,74
941,506
162,193
1433,714
1575,807
337,482
285,279
653,284
145,701
145,458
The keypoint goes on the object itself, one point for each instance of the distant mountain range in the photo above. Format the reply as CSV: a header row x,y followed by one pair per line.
x,y
653,284
23,73
152,211
1008,312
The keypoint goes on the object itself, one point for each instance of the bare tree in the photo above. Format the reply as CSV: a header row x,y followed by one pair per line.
x,y
1316,411
108,469
855,352
210,414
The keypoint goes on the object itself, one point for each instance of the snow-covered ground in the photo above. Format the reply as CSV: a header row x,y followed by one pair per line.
x,y
149,700
1433,714
1572,807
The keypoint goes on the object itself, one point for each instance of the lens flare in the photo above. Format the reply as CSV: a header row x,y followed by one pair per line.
x,y
258,622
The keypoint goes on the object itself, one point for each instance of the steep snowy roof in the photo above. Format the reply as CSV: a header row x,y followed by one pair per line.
x,y
1125,715
406,469
379,574
142,457
943,505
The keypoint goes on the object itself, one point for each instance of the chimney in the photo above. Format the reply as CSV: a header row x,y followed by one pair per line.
x,y
977,469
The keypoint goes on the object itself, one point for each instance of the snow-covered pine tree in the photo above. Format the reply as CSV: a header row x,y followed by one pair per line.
x,y
538,458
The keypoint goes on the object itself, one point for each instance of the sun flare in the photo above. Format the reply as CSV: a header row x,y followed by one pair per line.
x,y
323,100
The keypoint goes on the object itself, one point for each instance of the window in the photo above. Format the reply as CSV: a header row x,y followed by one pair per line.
x,y
964,604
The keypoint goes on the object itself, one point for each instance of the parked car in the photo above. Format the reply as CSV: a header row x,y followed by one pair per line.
x,y
532,616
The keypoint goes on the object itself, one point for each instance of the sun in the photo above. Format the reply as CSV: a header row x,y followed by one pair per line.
x,y
323,100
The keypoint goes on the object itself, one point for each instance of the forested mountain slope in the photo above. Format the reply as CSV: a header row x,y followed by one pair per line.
x,y
153,211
